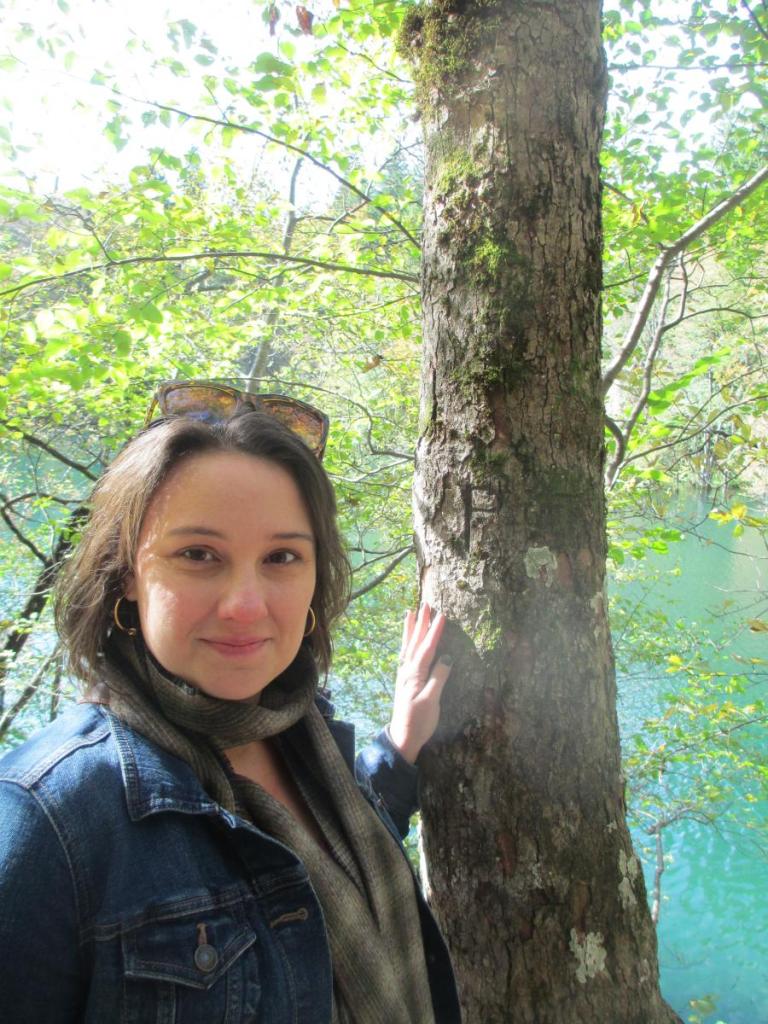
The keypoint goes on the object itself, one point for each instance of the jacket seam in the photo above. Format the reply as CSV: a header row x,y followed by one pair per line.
x,y
33,795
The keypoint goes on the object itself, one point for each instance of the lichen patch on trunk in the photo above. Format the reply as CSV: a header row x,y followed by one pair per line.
x,y
590,954
629,868
541,564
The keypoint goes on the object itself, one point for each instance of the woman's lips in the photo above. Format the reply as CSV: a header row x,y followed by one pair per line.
x,y
237,647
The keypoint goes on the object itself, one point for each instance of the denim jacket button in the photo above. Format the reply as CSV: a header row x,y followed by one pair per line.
x,y
206,958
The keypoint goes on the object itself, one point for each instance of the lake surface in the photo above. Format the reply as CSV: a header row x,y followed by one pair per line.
x,y
713,929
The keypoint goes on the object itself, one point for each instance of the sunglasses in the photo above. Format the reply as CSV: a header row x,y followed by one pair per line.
x,y
216,403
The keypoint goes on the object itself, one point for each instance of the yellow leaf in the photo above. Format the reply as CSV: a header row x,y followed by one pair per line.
x,y
758,625
738,511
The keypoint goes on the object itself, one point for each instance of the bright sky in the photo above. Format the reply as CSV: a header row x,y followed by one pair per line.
x,y
55,110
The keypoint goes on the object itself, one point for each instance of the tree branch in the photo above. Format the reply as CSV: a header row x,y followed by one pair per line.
x,y
694,433
36,601
215,254
26,695
650,359
755,20
657,874
663,261
222,123
49,449
259,364
382,575
729,65
627,199
615,429
7,503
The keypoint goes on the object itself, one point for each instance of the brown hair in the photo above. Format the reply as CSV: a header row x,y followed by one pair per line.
x,y
93,579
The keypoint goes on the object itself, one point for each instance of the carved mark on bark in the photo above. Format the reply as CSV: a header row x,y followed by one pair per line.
x,y
507,853
466,497
580,901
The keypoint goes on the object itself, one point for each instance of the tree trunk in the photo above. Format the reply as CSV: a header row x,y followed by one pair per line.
x,y
531,868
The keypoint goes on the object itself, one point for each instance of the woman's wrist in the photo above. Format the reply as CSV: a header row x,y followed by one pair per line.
x,y
406,746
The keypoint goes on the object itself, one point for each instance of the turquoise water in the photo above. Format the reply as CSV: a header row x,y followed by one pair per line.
x,y
713,929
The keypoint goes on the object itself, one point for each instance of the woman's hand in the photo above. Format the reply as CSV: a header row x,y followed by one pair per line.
x,y
420,682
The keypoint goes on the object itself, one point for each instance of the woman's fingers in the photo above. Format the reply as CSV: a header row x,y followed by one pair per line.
x,y
408,624
415,626
421,637
433,689
425,653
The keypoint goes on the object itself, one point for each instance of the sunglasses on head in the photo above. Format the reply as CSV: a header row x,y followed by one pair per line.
x,y
215,403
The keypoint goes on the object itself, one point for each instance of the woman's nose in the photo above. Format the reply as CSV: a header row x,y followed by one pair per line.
x,y
244,599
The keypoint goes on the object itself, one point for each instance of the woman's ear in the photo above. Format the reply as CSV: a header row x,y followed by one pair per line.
x,y
129,587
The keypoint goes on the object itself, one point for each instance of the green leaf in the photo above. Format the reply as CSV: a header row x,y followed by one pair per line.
x,y
267,63
145,312
122,340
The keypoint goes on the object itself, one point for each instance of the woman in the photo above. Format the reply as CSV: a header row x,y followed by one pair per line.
x,y
189,843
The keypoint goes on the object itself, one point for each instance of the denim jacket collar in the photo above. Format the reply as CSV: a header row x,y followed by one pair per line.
x,y
156,780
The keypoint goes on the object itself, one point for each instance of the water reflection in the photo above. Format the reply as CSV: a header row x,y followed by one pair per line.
x,y
713,937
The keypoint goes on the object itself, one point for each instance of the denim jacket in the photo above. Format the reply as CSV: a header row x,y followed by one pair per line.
x,y
129,896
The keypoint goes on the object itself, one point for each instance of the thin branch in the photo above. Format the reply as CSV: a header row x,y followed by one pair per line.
x,y
16,640
374,65
213,254
663,261
259,363
721,309
382,575
627,199
221,123
86,221
402,456
755,20
26,695
694,433
49,449
17,532
650,359
378,556
728,65
615,429
657,874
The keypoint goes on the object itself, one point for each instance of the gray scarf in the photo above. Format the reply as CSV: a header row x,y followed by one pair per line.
x,y
362,880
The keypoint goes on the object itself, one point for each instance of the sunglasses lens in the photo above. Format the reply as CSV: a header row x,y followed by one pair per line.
x,y
305,423
199,402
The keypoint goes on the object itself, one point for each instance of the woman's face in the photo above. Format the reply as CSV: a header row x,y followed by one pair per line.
x,y
225,572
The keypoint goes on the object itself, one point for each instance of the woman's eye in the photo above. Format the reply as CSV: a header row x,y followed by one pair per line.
x,y
197,555
283,557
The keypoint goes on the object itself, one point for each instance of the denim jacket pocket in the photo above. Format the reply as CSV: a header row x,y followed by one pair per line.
x,y
196,969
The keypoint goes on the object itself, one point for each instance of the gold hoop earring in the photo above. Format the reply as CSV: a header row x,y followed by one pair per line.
x,y
314,621
128,630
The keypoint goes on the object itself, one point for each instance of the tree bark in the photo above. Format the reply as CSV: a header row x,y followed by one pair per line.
x,y
531,867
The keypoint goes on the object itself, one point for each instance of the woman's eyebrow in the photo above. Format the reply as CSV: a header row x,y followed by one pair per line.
x,y
208,531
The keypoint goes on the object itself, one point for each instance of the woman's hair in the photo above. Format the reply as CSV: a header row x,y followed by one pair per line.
x,y
92,580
